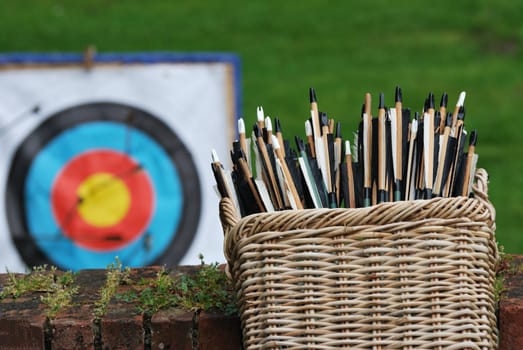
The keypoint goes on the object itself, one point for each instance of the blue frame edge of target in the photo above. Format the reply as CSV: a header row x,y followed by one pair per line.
x,y
136,57
122,58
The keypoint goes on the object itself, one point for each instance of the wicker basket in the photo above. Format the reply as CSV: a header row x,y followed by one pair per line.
x,y
404,275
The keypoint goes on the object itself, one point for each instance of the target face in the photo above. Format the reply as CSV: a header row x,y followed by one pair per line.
x,y
102,180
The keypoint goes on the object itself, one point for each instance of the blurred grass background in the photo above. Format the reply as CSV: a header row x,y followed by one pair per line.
x,y
342,48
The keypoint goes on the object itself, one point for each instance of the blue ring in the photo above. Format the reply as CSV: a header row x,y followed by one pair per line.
x,y
167,188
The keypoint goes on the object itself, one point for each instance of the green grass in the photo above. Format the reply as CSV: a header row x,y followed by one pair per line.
x,y
342,48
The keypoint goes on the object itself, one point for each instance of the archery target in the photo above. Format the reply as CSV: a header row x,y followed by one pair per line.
x,y
102,180
114,160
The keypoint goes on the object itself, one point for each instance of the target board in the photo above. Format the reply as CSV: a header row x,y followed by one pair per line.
x,y
113,161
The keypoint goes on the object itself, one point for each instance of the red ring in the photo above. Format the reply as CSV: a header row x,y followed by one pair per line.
x,y
65,200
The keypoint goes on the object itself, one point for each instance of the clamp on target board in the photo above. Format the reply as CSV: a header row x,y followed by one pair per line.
x,y
101,180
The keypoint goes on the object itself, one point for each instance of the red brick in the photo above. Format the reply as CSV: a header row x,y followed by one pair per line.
x,y
172,329
511,308
511,324
89,282
122,328
73,328
218,332
148,272
22,323
189,270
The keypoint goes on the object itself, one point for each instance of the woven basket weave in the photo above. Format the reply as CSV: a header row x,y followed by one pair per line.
x,y
403,275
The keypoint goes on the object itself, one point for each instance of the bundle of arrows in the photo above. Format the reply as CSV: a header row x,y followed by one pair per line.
x,y
395,156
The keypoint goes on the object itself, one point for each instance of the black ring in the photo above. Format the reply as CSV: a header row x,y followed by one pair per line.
x,y
130,116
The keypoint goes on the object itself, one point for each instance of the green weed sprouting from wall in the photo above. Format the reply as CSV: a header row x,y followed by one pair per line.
x,y
59,288
114,278
207,289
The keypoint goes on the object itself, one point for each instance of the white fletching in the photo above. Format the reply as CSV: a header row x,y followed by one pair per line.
x,y
268,124
259,113
275,142
347,148
308,128
414,127
461,99
241,126
214,156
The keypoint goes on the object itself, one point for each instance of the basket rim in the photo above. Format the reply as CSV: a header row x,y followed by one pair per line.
x,y
230,218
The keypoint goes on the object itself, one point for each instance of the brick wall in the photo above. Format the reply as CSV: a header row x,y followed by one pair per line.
x,y
23,324
510,312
